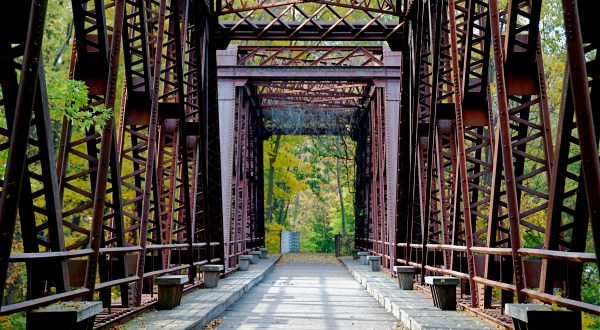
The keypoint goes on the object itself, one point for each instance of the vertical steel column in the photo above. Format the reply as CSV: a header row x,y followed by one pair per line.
x,y
440,104
576,156
361,210
167,171
251,177
503,149
446,166
260,203
211,141
462,162
405,132
139,122
376,192
21,103
92,51
174,179
195,122
239,215
521,88
474,127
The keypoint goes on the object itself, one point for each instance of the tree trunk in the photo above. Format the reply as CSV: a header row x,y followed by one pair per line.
x,y
325,240
272,159
339,184
282,212
68,35
294,220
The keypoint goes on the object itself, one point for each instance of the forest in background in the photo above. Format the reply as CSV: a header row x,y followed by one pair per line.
x,y
309,188
309,180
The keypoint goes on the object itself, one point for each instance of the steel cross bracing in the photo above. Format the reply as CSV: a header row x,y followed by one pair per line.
x,y
142,207
312,20
486,161
305,107
310,56
244,233
307,101
453,169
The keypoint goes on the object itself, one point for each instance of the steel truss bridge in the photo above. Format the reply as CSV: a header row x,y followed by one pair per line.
x,y
446,100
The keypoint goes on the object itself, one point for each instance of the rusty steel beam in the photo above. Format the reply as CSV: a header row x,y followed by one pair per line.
x,y
251,177
484,228
404,200
25,106
308,74
194,78
572,209
321,30
137,132
159,207
95,61
311,95
474,124
359,134
178,218
260,190
310,56
440,84
518,86
380,6
379,234
237,234
274,23
211,145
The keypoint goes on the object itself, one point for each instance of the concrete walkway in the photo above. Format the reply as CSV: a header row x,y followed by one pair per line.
x,y
307,291
200,307
414,309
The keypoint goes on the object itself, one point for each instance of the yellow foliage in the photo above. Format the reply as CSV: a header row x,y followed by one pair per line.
x,y
273,236
588,321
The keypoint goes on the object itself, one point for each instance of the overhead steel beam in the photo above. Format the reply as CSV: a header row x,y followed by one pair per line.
x,y
309,73
331,31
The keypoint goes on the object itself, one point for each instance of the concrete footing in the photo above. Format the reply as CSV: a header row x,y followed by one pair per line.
x,y
375,262
212,274
535,316
65,315
363,257
244,262
170,289
255,256
263,252
443,291
405,276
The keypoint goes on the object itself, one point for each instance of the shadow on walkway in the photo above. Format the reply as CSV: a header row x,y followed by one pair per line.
x,y
307,291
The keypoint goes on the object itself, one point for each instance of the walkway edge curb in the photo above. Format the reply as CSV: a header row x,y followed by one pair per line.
x,y
199,308
411,318
383,301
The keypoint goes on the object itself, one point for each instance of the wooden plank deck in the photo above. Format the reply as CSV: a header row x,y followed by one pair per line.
x,y
307,291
